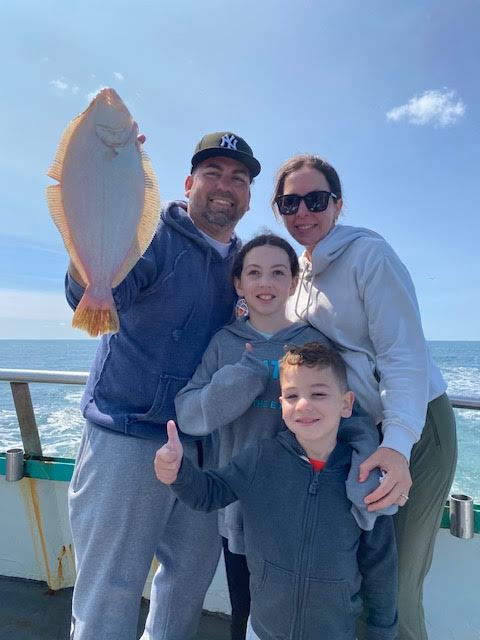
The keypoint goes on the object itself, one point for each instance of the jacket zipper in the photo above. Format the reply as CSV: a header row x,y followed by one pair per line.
x,y
298,620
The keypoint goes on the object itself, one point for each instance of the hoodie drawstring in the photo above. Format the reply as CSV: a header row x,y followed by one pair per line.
x,y
309,295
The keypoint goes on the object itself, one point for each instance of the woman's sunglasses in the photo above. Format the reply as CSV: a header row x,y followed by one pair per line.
x,y
315,201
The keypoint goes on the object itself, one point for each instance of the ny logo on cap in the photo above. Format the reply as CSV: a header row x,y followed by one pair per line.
x,y
229,142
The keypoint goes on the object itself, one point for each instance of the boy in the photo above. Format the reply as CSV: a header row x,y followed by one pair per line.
x,y
309,559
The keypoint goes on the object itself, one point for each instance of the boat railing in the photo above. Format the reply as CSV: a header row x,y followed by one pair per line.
x,y
463,522
20,379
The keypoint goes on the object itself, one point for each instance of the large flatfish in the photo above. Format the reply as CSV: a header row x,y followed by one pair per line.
x,y
106,205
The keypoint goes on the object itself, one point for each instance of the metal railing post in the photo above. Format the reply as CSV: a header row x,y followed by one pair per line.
x,y
26,418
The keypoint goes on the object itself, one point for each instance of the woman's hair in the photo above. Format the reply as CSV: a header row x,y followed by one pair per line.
x,y
298,162
266,239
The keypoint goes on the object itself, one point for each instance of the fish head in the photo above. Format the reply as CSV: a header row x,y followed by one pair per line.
x,y
114,124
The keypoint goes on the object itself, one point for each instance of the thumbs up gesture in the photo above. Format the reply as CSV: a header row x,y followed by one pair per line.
x,y
169,458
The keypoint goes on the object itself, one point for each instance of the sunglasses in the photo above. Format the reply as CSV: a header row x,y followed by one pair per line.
x,y
315,201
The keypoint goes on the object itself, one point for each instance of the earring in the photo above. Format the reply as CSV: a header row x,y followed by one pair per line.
x,y
241,309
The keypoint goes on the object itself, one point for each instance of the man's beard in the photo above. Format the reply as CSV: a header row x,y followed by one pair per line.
x,y
221,219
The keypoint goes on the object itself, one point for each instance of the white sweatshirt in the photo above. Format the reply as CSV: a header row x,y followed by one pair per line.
x,y
360,295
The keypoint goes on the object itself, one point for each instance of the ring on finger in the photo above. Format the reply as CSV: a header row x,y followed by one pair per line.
x,y
404,495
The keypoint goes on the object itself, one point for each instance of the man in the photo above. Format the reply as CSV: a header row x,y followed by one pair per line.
x,y
169,305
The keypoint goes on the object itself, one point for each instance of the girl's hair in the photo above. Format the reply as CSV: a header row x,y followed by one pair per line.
x,y
296,163
265,239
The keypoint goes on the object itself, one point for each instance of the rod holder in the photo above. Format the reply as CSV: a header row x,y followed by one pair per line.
x,y
461,516
14,466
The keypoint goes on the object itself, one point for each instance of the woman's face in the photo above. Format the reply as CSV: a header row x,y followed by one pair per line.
x,y
306,227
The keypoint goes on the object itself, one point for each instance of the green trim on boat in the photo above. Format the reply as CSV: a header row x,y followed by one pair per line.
x,y
61,469
45,468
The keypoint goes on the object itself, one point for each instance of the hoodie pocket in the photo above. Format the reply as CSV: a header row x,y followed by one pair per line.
x,y
273,600
329,610
162,407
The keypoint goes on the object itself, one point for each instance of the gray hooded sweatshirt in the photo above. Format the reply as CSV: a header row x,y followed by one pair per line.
x,y
358,292
237,392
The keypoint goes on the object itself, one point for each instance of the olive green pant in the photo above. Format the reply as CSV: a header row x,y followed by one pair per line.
x,y
432,467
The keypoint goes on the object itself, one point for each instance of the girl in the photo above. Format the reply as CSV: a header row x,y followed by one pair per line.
x,y
236,387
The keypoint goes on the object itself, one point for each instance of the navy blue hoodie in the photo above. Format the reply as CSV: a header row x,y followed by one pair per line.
x,y
312,569
169,305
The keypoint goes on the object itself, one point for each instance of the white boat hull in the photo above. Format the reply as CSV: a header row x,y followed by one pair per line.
x,y
36,543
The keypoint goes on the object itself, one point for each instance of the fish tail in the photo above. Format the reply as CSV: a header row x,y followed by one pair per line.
x,y
96,316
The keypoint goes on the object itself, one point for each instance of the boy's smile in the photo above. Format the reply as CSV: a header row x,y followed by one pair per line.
x,y
312,405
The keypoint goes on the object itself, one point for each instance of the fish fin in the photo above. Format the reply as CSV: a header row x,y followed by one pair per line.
x,y
148,222
55,204
94,316
55,170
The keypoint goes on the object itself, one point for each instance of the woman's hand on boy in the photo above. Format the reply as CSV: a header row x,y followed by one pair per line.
x,y
396,483
169,458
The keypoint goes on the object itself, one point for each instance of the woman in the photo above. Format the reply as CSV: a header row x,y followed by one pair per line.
x,y
355,289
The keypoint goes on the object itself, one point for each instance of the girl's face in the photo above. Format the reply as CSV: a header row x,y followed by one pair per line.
x,y
266,282
306,227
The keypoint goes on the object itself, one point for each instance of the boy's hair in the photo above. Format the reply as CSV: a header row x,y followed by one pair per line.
x,y
316,355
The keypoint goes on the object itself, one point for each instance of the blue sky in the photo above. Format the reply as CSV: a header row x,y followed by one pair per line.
x,y
387,90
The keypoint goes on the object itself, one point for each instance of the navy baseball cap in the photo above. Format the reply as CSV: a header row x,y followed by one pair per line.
x,y
226,143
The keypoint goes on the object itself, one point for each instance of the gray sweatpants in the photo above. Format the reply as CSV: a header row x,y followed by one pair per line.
x,y
121,516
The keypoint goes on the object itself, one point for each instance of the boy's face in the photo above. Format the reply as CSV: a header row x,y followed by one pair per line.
x,y
313,402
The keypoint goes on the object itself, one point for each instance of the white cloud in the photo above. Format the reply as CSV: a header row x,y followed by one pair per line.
x,y
90,96
118,76
438,108
60,85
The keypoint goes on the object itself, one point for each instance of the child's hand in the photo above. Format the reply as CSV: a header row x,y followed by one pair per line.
x,y
169,458
248,347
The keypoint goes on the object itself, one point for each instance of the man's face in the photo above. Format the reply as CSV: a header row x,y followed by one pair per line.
x,y
218,195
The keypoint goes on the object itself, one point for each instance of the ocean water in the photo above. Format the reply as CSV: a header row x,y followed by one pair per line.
x,y
60,422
